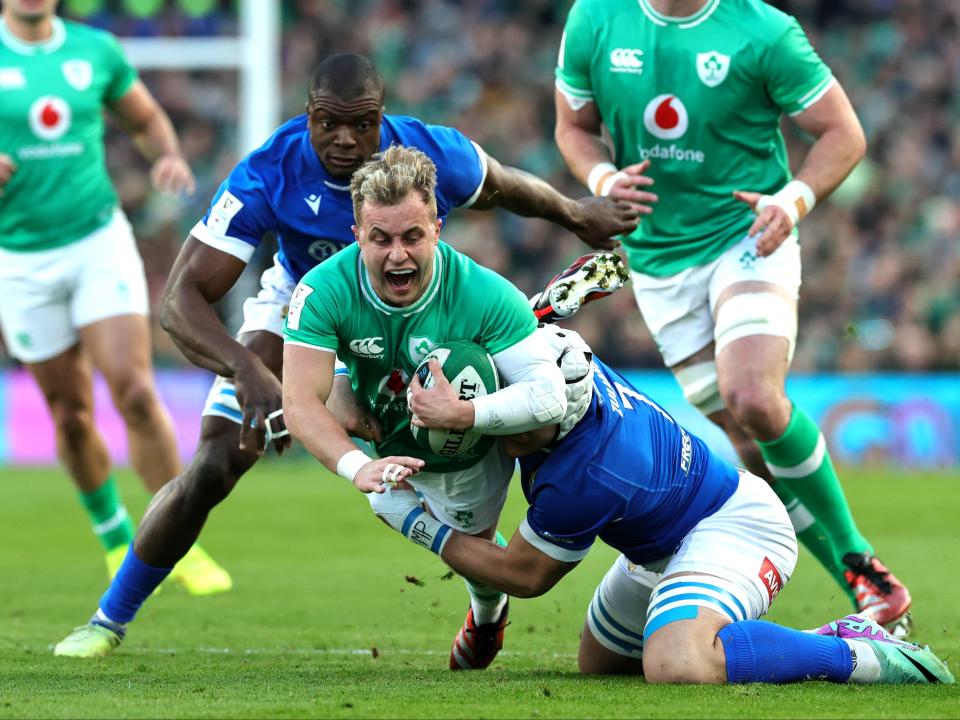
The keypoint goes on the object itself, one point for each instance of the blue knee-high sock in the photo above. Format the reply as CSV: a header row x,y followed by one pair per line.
x,y
759,651
133,584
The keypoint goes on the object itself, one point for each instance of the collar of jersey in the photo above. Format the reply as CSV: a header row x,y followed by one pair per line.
x,y
22,47
420,305
681,22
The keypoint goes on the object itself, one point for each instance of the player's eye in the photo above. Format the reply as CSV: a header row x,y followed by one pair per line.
x,y
327,124
364,125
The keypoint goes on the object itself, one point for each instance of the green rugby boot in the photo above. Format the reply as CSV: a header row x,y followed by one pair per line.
x,y
95,639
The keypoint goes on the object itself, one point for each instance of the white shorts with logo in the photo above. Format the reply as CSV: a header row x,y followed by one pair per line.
x,y
735,562
266,311
49,294
468,500
678,309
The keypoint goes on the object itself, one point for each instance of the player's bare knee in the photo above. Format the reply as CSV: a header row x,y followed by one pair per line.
x,y
73,420
136,400
758,410
210,477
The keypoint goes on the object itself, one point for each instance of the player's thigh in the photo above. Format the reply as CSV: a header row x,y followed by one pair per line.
x,y
110,281
612,641
469,500
676,310
66,382
120,348
35,288
733,562
756,297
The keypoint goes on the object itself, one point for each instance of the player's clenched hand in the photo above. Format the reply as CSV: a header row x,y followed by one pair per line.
x,y
378,476
354,416
628,187
439,406
170,173
603,219
772,220
7,168
260,396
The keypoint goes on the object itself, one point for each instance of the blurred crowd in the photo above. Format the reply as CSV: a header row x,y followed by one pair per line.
x,y
881,259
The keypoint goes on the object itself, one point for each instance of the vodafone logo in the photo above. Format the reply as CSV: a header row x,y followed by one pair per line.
x,y
49,117
665,117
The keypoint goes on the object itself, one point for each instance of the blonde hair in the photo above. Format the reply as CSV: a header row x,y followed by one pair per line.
x,y
388,177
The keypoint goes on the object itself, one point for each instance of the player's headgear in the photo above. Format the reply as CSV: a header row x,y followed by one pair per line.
x,y
348,76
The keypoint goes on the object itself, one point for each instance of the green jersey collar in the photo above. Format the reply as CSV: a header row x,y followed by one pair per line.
x,y
366,287
23,47
681,22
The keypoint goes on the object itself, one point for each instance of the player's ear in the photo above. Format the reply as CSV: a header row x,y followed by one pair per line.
x,y
356,232
439,227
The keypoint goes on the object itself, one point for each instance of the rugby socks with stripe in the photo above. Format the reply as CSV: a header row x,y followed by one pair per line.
x,y
134,583
759,651
487,602
806,479
111,523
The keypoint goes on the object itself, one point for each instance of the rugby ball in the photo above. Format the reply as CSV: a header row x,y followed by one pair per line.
x,y
470,371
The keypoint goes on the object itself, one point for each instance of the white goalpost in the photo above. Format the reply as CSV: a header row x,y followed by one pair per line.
x,y
254,54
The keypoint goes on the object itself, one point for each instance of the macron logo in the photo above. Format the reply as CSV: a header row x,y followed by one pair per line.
x,y
367,347
314,202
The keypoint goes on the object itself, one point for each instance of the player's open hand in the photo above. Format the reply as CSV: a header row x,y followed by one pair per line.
x,y
382,474
438,406
602,219
170,173
354,417
772,220
260,396
629,187
7,168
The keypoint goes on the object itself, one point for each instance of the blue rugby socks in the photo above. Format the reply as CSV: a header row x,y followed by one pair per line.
x,y
759,651
134,583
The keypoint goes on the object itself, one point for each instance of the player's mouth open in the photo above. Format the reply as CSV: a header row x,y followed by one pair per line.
x,y
400,279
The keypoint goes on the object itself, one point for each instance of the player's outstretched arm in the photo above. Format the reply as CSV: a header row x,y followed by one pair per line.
x,y
838,146
519,569
579,137
596,221
153,134
307,380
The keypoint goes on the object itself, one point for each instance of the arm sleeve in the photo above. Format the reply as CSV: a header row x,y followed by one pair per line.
x,y
122,73
795,76
574,58
534,395
310,320
239,216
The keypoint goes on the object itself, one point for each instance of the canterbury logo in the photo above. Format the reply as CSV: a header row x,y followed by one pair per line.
x,y
626,60
367,347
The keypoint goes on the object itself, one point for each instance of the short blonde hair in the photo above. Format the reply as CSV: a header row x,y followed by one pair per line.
x,y
388,177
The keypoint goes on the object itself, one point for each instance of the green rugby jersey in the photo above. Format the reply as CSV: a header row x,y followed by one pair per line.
x,y
52,96
701,97
335,307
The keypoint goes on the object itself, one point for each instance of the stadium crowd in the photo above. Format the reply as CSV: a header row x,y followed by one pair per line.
x,y
882,265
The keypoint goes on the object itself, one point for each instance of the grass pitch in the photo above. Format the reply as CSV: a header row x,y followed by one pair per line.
x,y
334,615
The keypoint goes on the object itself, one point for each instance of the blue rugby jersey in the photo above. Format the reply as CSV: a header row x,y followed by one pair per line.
x,y
627,473
283,188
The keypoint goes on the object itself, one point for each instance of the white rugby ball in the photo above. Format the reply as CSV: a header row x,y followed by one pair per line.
x,y
470,371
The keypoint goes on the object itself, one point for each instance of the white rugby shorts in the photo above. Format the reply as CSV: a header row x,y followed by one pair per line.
x,y
266,311
738,559
48,294
678,309
468,500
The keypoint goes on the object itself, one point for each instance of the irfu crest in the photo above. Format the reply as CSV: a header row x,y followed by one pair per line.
x,y
712,67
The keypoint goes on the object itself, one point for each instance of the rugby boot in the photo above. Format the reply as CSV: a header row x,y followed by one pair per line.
x,y
880,596
901,663
589,278
476,646
95,639
199,574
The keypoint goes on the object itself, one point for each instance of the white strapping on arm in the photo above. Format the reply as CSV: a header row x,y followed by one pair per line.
x,y
534,395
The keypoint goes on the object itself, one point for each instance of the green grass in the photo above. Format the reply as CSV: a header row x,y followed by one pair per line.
x,y
324,623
